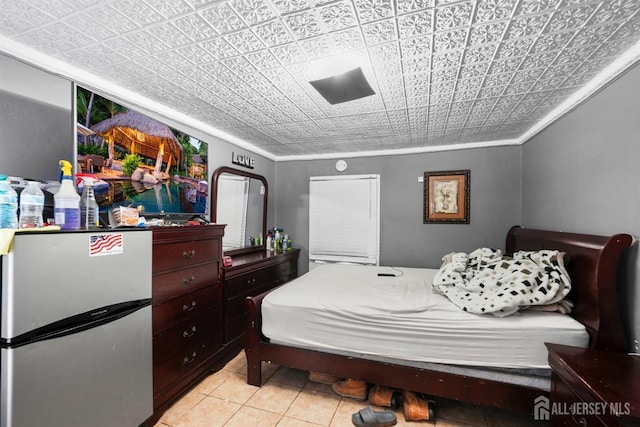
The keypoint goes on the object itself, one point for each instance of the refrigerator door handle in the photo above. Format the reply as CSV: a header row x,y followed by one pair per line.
x,y
77,323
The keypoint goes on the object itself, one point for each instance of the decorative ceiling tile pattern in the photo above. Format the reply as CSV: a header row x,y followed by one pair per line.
x,y
444,71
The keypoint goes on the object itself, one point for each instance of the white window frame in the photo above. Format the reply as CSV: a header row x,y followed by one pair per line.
x,y
344,219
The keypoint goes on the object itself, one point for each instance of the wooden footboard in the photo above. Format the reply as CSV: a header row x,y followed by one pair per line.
x,y
472,390
593,269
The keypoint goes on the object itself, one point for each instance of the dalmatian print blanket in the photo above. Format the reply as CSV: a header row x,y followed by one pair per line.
x,y
484,281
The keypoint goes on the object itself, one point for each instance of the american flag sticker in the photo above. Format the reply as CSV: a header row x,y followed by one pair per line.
x,y
106,244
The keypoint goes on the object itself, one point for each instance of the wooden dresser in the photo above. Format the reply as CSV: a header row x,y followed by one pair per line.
x,y
593,388
250,275
187,308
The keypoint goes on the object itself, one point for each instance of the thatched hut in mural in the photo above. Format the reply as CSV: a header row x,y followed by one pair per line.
x,y
139,134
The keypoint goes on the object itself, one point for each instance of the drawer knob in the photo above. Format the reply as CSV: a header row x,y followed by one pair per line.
x,y
189,254
188,281
186,307
251,282
188,360
187,334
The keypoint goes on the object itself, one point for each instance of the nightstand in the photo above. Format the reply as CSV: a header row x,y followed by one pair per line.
x,y
593,387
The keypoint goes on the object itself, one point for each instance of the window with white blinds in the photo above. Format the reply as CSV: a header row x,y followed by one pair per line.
x,y
344,218
233,196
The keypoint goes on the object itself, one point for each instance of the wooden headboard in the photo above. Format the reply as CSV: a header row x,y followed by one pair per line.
x,y
592,265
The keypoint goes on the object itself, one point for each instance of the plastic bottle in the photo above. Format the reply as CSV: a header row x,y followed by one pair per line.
x,y
31,206
285,243
66,201
269,243
8,204
88,205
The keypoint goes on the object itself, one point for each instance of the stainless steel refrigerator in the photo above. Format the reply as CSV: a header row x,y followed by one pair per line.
x,y
75,344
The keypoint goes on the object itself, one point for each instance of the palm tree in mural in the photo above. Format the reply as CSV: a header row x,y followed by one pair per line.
x,y
93,108
111,107
187,149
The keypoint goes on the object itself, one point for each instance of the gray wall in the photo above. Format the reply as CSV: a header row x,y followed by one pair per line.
x,y
581,175
405,240
36,121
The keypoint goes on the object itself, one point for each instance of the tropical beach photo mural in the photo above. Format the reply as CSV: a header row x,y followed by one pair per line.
x,y
139,162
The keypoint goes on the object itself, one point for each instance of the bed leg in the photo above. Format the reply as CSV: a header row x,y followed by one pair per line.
x,y
254,369
252,346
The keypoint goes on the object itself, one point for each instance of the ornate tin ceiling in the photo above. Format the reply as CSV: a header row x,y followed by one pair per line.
x,y
445,72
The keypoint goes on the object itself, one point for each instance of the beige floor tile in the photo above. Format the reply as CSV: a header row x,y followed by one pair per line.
x,y
210,412
248,416
346,408
274,397
291,376
324,388
234,389
268,369
237,364
181,407
288,399
213,381
293,422
314,407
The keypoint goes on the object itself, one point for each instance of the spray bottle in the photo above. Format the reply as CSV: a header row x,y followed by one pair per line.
x,y
66,201
88,205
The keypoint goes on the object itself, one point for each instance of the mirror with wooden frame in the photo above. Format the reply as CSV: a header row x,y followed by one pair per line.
x,y
239,200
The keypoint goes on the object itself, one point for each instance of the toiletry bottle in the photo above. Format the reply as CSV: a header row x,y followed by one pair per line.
x,y
8,204
269,243
88,205
66,201
31,206
285,243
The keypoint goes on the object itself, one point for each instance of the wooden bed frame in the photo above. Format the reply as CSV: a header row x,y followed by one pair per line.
x,y
593,261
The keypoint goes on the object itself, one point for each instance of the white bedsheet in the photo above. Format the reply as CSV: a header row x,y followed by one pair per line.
x,y
347,308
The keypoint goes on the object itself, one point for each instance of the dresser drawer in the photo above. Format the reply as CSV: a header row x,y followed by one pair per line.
x,y
572,410
183,362
184,334
286,271
256,281
179,309
175,283
177,255
237,303
245,283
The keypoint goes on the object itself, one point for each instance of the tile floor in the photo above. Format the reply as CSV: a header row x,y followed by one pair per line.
x,y
289,399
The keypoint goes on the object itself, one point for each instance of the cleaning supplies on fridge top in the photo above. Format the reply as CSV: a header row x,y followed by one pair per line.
x,y
8,204
31,206
67,201
88,205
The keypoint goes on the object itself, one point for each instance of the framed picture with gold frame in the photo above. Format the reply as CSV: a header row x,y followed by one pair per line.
x,y
446,197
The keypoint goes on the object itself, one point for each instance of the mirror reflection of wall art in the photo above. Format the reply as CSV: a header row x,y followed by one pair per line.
x,y
446,197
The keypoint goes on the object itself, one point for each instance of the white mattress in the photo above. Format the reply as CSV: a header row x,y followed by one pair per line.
x,y
347,308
